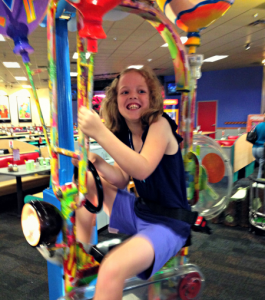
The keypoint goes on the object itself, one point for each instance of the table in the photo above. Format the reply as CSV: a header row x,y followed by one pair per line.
x,y
204,132
22,171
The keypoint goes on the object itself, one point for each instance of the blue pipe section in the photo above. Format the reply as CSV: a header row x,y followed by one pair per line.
x,y
65,114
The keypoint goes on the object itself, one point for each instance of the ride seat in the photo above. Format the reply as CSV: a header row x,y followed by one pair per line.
x,y
101,249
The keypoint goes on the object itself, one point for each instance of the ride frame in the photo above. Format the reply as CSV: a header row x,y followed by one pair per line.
x,y
77,263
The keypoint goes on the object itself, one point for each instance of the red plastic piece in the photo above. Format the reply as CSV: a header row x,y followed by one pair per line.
x,y
232,137
92,46
227,143
92,12
190,286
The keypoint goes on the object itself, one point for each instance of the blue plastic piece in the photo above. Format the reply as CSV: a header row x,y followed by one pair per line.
x,y
55,273
65,132
64,92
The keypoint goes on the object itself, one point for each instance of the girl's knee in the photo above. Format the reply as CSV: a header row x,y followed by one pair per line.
x,y
110,270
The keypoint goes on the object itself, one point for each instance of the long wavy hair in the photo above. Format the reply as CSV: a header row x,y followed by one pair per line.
x,y
109,108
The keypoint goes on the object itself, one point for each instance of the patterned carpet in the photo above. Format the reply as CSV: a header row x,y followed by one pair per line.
x,y
231,259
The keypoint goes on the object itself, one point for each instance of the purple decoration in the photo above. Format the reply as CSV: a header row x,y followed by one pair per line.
x,y
18,18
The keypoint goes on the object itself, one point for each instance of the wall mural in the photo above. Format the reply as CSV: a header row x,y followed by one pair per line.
x,y
24,109
4,109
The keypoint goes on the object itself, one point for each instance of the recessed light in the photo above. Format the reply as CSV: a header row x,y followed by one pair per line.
x,y
73,74
215,58
247,46
27,86
21,78
149,59
2,39
165,45
183,39
135,67
75,56
11,65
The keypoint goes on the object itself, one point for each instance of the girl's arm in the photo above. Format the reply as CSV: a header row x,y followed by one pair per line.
x,y
142,165
113,174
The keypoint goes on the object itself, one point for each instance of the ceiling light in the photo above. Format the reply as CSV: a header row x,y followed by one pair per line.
x,y
135,67
26,86
255,16
149,59
21,78
11,65
183,39
75,56
215,58
73,74
165,45
247,46
2,39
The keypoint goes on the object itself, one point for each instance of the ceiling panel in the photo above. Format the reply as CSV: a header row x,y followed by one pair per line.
x,y
133,40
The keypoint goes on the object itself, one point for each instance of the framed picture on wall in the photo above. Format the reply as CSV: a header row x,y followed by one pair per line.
x,y
4,109
24,109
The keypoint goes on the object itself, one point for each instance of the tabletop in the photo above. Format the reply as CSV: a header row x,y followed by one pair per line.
x,y
22,171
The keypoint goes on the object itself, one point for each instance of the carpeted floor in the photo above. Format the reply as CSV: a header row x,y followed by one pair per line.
x,y
231,259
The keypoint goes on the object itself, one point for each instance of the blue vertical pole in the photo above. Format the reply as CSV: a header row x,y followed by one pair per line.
x,y
65,114
66,140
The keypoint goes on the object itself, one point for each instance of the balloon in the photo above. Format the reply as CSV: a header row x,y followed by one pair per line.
x,y
92,13
194,15
18,18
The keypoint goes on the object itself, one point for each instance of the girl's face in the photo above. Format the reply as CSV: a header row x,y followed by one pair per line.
x,y
133,96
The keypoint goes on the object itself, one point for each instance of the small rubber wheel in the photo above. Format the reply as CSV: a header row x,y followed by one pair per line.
x,y
190,286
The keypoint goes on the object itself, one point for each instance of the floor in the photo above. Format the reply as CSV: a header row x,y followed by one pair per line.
x,y
231,259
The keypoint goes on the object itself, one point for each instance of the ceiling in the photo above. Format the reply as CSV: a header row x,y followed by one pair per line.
x,y
133,41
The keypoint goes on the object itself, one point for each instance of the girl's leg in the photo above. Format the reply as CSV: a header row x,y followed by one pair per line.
x,y
258,153
84,219
127,260
261,164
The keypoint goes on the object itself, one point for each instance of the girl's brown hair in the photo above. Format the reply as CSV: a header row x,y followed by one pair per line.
x,y
109,108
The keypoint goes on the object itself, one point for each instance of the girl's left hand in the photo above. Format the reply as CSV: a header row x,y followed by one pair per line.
x,y
89,122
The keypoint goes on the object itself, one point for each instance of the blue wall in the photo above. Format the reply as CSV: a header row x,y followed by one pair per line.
x,y
238,92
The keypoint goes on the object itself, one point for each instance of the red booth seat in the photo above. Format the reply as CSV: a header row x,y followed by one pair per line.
x,y
4,160
226,143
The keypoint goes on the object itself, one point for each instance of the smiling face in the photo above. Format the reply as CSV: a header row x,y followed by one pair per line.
x,y
132,95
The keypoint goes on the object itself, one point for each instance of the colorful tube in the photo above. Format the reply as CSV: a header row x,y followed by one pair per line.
x,y
36,99
53,92
82,101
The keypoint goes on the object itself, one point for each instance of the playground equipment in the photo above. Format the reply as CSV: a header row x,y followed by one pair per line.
x,y
42,222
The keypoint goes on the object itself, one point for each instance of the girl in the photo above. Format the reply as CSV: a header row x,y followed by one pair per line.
x,y
143,142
